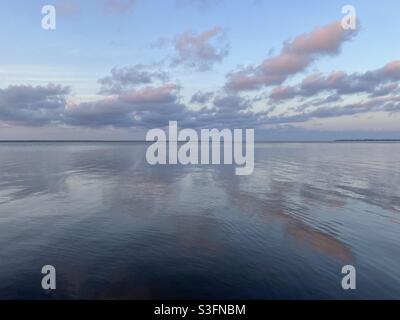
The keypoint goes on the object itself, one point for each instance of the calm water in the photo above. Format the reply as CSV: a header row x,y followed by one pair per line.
x,y
115,227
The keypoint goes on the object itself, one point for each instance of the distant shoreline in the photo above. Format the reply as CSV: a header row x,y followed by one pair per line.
x,y
367,140
141,141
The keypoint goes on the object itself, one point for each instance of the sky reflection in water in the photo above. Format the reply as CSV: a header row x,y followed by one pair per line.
x,y
115,227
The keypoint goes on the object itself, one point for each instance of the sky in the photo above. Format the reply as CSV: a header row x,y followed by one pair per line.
x,y
113,69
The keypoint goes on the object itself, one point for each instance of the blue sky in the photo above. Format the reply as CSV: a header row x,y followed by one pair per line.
x,y
202,47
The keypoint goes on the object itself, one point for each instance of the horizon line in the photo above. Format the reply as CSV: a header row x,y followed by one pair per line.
x,y
262,141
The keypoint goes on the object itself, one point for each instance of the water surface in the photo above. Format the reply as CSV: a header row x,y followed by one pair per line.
x,y
116,227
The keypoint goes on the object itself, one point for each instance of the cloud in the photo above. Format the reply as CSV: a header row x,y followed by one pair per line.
x,y
143,96
47,105
134,96
295,57
282,92
126,78
119,6
155,106
142,107
380,104
151,107
327,100
232,103
200,51
201,97
104,112
384,90
226,111
33,106
376,83
162,94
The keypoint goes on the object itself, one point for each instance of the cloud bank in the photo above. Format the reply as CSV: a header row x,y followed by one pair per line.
x,y
295,57
144,96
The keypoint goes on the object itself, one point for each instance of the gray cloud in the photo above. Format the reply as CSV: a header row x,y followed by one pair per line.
x,y
384,90
231,111
376,83
327,100
33,106
135,96
126,78
202,97
200,51
380,104
140,97
138,108
155,106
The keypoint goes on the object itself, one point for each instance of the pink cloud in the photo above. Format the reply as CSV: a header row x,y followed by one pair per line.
x,y
375,82
202,50
294,57
163,94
